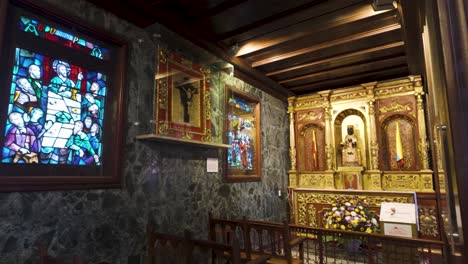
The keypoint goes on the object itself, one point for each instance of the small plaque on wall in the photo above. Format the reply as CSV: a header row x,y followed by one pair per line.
x,y
183,99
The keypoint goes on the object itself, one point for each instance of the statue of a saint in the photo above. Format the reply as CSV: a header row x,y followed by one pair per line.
x,y
351,153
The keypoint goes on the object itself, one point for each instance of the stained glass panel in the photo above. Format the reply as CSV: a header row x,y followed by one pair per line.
x,y
62,37
55,112
244,137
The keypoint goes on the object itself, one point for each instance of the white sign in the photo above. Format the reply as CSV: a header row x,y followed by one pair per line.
x,y
398,230
211,165
398,213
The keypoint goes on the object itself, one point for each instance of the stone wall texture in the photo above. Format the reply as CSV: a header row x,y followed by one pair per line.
x,y
165,184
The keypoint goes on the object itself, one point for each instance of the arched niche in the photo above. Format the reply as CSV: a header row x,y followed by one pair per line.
x,y
306,158
357,119
408,138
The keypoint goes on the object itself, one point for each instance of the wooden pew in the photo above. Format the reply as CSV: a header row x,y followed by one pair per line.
x,y
165,248
258,238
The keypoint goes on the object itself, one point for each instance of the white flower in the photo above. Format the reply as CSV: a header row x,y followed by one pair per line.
x,y
374,222
347,204
361,208
338,214
334,209
353,213
342,208
348,218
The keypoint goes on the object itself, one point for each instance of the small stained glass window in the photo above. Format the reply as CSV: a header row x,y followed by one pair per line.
x,y
243,124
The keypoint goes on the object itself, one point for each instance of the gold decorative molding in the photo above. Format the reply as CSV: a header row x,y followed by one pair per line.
x,y
410,181
349,96
396,107
162,94
306,201
310,116
162,56
318,181
373,180
428,221
392,91
292,155
308,104
406,182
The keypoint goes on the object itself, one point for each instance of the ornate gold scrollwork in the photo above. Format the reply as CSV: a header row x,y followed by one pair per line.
x,y
407,182
392,91
428,221
163,128
207,136
396,107
307,214
310,116
162,56
163,94
292,153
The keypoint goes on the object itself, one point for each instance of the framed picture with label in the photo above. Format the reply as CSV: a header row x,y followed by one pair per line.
x,y
61,103
243,160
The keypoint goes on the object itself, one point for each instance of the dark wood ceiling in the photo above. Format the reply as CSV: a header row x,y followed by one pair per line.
x,y
289,47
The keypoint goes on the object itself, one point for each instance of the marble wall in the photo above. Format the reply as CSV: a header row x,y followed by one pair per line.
x,y
163,183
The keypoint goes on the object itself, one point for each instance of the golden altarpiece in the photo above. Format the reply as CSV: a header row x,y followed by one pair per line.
x,y
368,141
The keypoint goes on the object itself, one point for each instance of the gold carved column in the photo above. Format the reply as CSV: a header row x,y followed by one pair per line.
x,y
373,181
327,108
422,146
292,143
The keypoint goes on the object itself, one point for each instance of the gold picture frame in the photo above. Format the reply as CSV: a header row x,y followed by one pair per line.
x,y
183,99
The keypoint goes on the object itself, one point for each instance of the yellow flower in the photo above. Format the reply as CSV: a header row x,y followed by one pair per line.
x,y
356,210
351,202
334,204
335,226
368,230
362,229
343,227
348,213
327,226
334,214
363,213
354,222
338,219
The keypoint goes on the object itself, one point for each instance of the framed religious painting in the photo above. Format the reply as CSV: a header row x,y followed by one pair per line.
x,y
243,160
183,99
61,103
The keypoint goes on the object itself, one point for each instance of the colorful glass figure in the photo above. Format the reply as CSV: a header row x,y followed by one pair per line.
x,y
55,113
240,135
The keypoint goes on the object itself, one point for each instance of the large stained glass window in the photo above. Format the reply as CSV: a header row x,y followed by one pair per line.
x,y
61,99
55,112
243,122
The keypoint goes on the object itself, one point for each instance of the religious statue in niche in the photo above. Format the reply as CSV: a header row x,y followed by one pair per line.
x,y
351,153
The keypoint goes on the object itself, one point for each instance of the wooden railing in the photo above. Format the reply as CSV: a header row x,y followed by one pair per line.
x,y
334,246
319,245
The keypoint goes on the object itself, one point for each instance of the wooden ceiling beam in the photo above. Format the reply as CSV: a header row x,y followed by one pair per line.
x,y
351,80
266,20
324,8
343,40
311,27
353,69
360,53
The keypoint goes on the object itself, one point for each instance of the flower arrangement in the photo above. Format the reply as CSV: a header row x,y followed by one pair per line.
x,y
352,216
